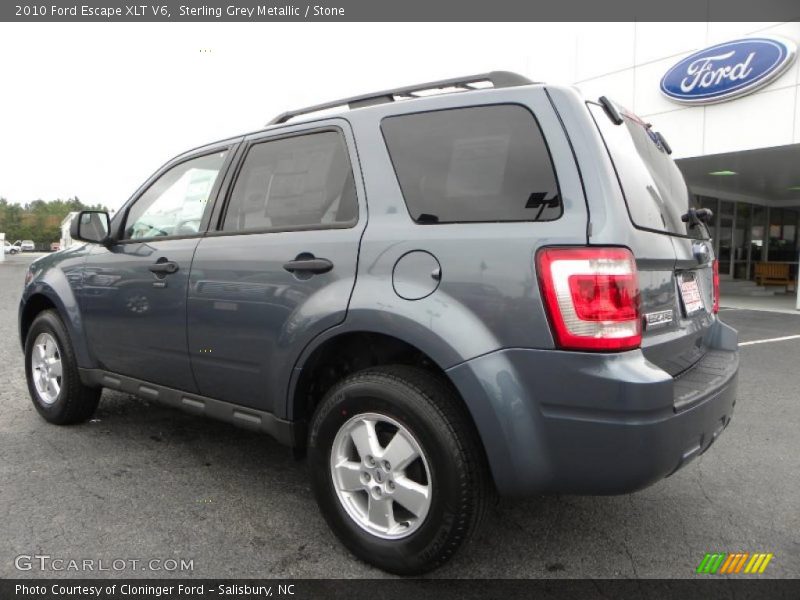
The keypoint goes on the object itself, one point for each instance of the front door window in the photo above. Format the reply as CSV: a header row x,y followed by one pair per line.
x,y
174,205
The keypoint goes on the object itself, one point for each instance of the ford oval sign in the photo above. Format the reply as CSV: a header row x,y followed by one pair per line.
x,y
728,70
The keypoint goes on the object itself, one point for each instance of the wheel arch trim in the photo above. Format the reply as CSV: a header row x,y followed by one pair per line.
x,y
478,405
57,292
440,352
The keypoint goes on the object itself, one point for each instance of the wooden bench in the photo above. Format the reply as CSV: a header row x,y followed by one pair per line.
x,y
773,273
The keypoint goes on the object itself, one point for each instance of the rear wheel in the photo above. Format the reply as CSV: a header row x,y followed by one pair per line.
x,y
52,373
397,468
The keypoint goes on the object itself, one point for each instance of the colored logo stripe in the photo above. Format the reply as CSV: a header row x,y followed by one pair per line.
x,y
758,563
734,562
725,563
711,562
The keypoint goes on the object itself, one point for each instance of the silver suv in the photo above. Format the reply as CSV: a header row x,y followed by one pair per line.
x,y
498,287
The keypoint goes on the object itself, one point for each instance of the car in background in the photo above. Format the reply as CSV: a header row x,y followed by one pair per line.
x,y
55,246
10,248
27,246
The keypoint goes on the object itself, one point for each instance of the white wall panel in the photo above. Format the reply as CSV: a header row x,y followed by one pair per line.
x,y
723,32
648,98
797,116
617,86
755,121
603,48
655,41
683,130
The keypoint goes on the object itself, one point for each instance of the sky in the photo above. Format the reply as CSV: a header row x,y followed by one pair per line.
x,y
92,109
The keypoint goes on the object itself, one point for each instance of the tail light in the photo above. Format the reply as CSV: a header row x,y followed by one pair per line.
x,y
592,297
716,286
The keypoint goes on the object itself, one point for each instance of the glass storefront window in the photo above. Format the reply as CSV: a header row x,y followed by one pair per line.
x,y
741,241
745,234
725,231
783,234
758,231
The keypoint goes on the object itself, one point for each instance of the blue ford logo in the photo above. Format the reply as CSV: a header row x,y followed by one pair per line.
x,y
728,70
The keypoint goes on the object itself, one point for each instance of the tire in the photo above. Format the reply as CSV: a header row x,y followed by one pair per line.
x,y
451,468
69,401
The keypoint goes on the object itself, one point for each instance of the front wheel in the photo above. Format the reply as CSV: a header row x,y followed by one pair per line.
x,y
52,373
397,468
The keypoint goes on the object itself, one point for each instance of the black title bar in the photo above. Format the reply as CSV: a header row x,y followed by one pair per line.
x,y
706,587
400,10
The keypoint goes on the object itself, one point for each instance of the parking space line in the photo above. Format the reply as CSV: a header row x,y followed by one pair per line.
x,y
769,340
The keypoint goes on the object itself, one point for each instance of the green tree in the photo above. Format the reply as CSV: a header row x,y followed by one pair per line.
x,y
39,220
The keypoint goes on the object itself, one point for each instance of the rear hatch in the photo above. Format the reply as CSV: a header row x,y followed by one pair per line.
x,y
674,258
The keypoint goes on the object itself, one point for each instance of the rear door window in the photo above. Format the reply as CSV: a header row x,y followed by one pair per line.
x,y
299,182
654,189
476,164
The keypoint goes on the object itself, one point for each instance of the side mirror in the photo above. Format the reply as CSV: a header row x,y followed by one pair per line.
x,y
90,226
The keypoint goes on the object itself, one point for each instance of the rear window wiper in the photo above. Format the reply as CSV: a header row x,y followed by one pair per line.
x,y
662,140
697,216
611,110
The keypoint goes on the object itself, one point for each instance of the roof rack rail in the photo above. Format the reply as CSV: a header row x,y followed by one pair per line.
x,y
498,79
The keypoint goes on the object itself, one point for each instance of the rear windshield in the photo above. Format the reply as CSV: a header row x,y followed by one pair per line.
x,y
476,164
653,186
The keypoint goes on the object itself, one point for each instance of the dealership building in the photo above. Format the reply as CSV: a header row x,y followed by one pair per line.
x,y
726,96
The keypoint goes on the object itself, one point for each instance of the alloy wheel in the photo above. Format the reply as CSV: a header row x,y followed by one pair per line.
x,y
381,476
46,368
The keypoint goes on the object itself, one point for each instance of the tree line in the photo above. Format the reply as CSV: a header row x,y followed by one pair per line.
x,y
39,221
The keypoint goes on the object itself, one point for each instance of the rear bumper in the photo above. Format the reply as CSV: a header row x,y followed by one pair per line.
x,y
570,422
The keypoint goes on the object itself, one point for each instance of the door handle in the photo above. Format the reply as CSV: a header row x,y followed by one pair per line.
x,y
312,265
166,267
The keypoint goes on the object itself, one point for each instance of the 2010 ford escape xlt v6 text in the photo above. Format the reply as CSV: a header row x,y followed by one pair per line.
x,y
500,286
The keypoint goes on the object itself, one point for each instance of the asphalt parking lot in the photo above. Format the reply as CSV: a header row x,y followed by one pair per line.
x,y
146,482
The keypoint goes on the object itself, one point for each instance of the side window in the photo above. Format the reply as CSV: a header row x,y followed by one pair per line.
x,y
301,182
174,204
476,164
